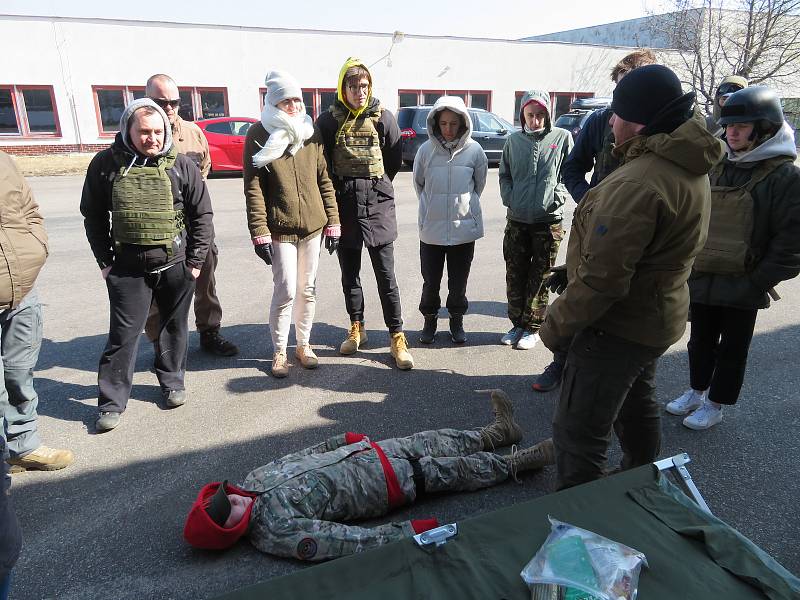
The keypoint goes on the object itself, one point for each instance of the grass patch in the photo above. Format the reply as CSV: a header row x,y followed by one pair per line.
x,y
54,164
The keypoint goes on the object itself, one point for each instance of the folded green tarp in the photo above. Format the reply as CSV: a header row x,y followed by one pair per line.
x,y
690,554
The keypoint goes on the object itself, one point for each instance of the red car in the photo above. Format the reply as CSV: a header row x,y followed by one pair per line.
x,y
225,137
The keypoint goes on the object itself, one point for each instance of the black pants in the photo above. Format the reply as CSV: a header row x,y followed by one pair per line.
x,y
130,294
718,345
382,258
432,258
609,385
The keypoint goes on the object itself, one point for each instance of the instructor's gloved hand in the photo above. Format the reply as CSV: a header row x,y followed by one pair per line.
x,y
332,234
557,282
263,248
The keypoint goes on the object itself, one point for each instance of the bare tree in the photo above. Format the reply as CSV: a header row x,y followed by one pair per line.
x,y
756,39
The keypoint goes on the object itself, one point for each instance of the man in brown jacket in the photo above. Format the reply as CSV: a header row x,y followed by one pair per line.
x,y
189,140
633,241
23,243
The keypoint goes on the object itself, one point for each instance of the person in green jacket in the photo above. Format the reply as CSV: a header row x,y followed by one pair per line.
x,y
633,240
532,190
753,244
291,207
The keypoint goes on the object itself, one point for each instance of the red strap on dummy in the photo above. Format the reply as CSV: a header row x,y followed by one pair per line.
x,y
393,489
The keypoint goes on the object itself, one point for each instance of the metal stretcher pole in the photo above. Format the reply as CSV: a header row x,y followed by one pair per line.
x,y
678,463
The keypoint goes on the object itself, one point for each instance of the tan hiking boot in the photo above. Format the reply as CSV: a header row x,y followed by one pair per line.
x,y
355,339
306,356
530,459
399,350
42,459
504,431
280,365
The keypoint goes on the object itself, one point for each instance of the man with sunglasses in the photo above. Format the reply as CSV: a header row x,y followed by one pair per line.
x,y
727,86
189,140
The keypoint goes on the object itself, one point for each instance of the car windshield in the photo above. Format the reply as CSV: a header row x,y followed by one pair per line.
x,y
569,121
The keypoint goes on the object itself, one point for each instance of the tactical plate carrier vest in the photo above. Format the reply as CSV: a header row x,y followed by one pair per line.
x,y
357,152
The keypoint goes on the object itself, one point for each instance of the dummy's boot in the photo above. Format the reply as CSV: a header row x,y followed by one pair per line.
x,y
428,333
457,329
531,459
504,431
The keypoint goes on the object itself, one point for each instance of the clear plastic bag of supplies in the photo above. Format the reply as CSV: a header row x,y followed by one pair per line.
x,y
576,564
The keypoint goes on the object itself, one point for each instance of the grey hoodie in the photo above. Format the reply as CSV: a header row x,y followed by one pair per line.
x,y
449,179
124,125
530,169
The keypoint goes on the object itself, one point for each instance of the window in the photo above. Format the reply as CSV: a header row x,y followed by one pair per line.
x,y
487,122
473,99
213,102
28,111
186,111
229,127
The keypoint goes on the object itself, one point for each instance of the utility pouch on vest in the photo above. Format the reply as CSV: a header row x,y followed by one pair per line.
x,y
142,208
357,152
730,228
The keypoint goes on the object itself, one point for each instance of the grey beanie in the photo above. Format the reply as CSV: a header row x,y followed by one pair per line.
x,y
280,86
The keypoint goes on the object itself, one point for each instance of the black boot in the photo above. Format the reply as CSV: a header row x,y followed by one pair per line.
x,y
457,329
428,333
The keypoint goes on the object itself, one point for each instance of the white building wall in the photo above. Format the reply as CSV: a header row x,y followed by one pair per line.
x,y
74,54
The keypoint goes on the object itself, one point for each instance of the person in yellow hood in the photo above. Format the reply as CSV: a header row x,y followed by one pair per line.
x,y
362,146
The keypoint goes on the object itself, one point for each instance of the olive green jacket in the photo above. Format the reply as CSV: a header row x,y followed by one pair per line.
x,y
633,241
292,198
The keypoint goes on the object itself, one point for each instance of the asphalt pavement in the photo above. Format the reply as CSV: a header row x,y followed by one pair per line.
x,y
110,525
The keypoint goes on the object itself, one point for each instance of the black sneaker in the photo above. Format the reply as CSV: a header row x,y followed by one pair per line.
x,y
175,398
550,378
428,333
457,332
212,342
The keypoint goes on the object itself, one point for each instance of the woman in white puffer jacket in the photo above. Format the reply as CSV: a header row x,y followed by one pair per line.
x,y
449,176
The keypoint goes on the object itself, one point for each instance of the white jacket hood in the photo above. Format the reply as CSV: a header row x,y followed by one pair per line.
x,y
124,123
780,144
456,105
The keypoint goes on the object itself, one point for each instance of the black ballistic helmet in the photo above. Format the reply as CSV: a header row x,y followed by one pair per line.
x,y
752,105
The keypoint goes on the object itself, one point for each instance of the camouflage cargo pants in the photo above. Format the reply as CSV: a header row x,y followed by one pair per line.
x,y
529,251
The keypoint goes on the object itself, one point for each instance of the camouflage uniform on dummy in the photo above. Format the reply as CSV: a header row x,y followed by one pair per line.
x,y
302,501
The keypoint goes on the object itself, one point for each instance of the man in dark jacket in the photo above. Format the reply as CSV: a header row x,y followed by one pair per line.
x,y
362,146
147,216
633,241
592,152
23,251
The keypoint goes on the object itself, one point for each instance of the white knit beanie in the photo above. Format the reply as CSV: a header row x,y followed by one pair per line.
x,y
280,86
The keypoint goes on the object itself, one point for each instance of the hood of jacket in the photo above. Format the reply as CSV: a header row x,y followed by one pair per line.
x,y
124,123
542,98
456,105
780,144
690,146
353,62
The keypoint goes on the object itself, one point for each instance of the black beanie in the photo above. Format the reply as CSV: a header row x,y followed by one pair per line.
x,y
644,92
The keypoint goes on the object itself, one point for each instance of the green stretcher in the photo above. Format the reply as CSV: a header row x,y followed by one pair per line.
x,y
691,553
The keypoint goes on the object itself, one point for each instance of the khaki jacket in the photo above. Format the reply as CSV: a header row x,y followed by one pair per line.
x,y
633,241
23,239
292,198
189,140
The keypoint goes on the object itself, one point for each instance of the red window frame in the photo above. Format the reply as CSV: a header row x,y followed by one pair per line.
x,y
198,104
21,113
420,93
127,97
316,100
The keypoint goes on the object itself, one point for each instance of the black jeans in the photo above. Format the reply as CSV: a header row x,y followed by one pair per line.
x,y
382,258
609,385
432,258
718,346
130,293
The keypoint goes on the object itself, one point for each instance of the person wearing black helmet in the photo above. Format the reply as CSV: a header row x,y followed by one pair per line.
x,y
753,244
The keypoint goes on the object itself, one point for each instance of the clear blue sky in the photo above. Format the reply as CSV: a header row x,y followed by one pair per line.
x,y
509,19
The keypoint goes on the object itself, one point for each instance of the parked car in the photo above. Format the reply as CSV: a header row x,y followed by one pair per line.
x,y
489,130
579,112
225,137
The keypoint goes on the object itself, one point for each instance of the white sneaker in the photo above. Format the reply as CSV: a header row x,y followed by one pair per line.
x,y
512,337
528,340
689,401
704,417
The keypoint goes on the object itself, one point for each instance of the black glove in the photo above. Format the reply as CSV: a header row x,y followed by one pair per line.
x,y
557,282
331,244
264,252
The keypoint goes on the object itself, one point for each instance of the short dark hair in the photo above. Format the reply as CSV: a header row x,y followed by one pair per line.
x,y
634,60
355,74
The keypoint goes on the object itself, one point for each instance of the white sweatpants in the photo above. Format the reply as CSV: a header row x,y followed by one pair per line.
x,y
294,274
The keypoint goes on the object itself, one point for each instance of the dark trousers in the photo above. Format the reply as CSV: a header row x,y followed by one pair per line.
x,y
609,385
207,308
718,346
432,258
130,294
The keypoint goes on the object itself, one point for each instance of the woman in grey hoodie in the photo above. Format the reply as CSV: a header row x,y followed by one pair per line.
x,y
449,176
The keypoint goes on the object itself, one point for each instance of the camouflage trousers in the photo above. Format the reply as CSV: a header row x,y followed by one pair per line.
x,y
309,517
529,251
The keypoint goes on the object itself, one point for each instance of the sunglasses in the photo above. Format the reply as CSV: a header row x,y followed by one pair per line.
x,y
164,103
